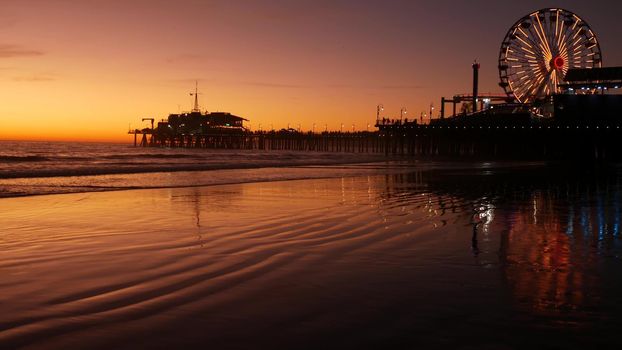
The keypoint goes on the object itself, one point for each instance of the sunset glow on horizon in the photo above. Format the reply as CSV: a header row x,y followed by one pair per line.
x,y
88,70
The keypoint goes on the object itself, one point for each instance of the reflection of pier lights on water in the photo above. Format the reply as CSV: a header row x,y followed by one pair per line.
x,y
549,255
481,220
484,216
546,242
545,254
539,255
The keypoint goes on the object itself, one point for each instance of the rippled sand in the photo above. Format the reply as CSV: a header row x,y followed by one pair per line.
x,y
357,262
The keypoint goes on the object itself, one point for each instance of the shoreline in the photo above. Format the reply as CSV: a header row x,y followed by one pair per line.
x,y
240,175
179,168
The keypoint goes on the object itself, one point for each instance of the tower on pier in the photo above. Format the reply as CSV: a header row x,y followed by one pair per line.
x,y
196,97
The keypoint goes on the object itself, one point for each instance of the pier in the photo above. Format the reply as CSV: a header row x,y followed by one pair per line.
x,y
510,141
357,142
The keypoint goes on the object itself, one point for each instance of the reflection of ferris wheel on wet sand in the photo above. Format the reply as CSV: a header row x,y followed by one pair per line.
x,y
540,48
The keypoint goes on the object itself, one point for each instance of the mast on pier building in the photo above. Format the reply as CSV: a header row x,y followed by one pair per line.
x,y
196,97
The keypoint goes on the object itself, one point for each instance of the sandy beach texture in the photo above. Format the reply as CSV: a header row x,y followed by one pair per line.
x,y
353,262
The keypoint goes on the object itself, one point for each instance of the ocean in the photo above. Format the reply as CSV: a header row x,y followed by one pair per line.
x,y
252,250
35,168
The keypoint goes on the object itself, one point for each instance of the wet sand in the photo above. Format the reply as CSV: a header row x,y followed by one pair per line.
x,y
358,262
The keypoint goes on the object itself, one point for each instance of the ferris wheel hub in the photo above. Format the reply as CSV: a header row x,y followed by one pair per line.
x,y
557,63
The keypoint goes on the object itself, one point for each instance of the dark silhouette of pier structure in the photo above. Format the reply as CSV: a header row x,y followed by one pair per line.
x,y
472,137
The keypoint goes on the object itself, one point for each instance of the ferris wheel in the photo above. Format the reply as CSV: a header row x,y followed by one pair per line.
x,y
540,48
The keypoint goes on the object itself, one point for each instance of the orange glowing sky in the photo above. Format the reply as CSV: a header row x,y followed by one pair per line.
x,y
85,70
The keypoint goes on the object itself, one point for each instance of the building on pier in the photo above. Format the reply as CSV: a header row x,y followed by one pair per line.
x,y
178,127
196,123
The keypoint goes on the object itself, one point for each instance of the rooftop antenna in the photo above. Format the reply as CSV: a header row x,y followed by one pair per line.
x,y
196,97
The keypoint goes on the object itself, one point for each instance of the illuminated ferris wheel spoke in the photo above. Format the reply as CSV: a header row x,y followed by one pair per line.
x,y
563,34
526,50
535,46
545,83
542,34
563,48
539,49
559,24
543,50
551,31
554,82
561,42
523,88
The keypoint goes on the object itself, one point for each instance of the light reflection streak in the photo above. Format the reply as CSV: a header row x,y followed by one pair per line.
x,y
550,238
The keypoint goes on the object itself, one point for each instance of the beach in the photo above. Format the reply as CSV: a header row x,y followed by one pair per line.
x,y
293,175
435,258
